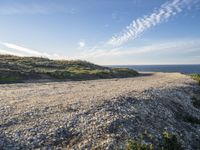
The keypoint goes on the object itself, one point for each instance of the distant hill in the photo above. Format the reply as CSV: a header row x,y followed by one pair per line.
x,y
20,69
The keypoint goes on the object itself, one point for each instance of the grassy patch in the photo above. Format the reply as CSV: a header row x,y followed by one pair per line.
x,y
59,74
138,145
8,79
169,141
123,72
43,68
196,77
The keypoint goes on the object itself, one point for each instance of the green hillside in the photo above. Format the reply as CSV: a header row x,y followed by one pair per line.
x,y
19,69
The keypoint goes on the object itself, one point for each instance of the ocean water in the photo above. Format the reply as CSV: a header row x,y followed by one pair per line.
x,y
186,69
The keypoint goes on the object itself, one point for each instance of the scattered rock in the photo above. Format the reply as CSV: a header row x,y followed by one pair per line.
x,y
101,114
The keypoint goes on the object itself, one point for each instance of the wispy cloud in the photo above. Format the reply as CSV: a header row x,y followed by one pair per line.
x,y
23,49
105,55
10,52
140,25
15,49
175,46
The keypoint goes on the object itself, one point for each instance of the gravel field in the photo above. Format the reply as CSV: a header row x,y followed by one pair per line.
x,y
98,114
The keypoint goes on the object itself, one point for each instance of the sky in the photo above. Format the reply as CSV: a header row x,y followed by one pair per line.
x,y
105,32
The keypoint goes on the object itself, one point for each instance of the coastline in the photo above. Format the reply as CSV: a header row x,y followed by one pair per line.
x,y
182,68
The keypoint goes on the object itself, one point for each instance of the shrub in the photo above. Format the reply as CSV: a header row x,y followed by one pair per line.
x,y
124,72
196,77
138,145
60,74
170,142
8,79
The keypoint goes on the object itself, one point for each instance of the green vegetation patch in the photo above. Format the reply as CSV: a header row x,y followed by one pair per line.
x,y
196,77
169,141
124,72
8,79
43,68
138,145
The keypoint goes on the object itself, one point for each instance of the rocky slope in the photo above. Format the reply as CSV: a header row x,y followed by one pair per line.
x,y
101,114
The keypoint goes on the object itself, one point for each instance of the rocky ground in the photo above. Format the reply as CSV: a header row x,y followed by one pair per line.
x,y
99,114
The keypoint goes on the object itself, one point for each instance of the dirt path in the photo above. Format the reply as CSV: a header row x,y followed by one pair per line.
x,y
98,113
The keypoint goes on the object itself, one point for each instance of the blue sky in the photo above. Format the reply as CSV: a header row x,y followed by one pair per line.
x,y
105,32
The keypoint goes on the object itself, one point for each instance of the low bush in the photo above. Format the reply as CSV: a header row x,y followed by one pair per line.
x,y
138,145
169,141
196,77
8,79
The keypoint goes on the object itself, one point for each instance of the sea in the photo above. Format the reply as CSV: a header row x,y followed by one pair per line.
x,y
185,69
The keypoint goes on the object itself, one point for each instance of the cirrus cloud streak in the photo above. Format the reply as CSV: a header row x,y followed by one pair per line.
x,y
140,25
